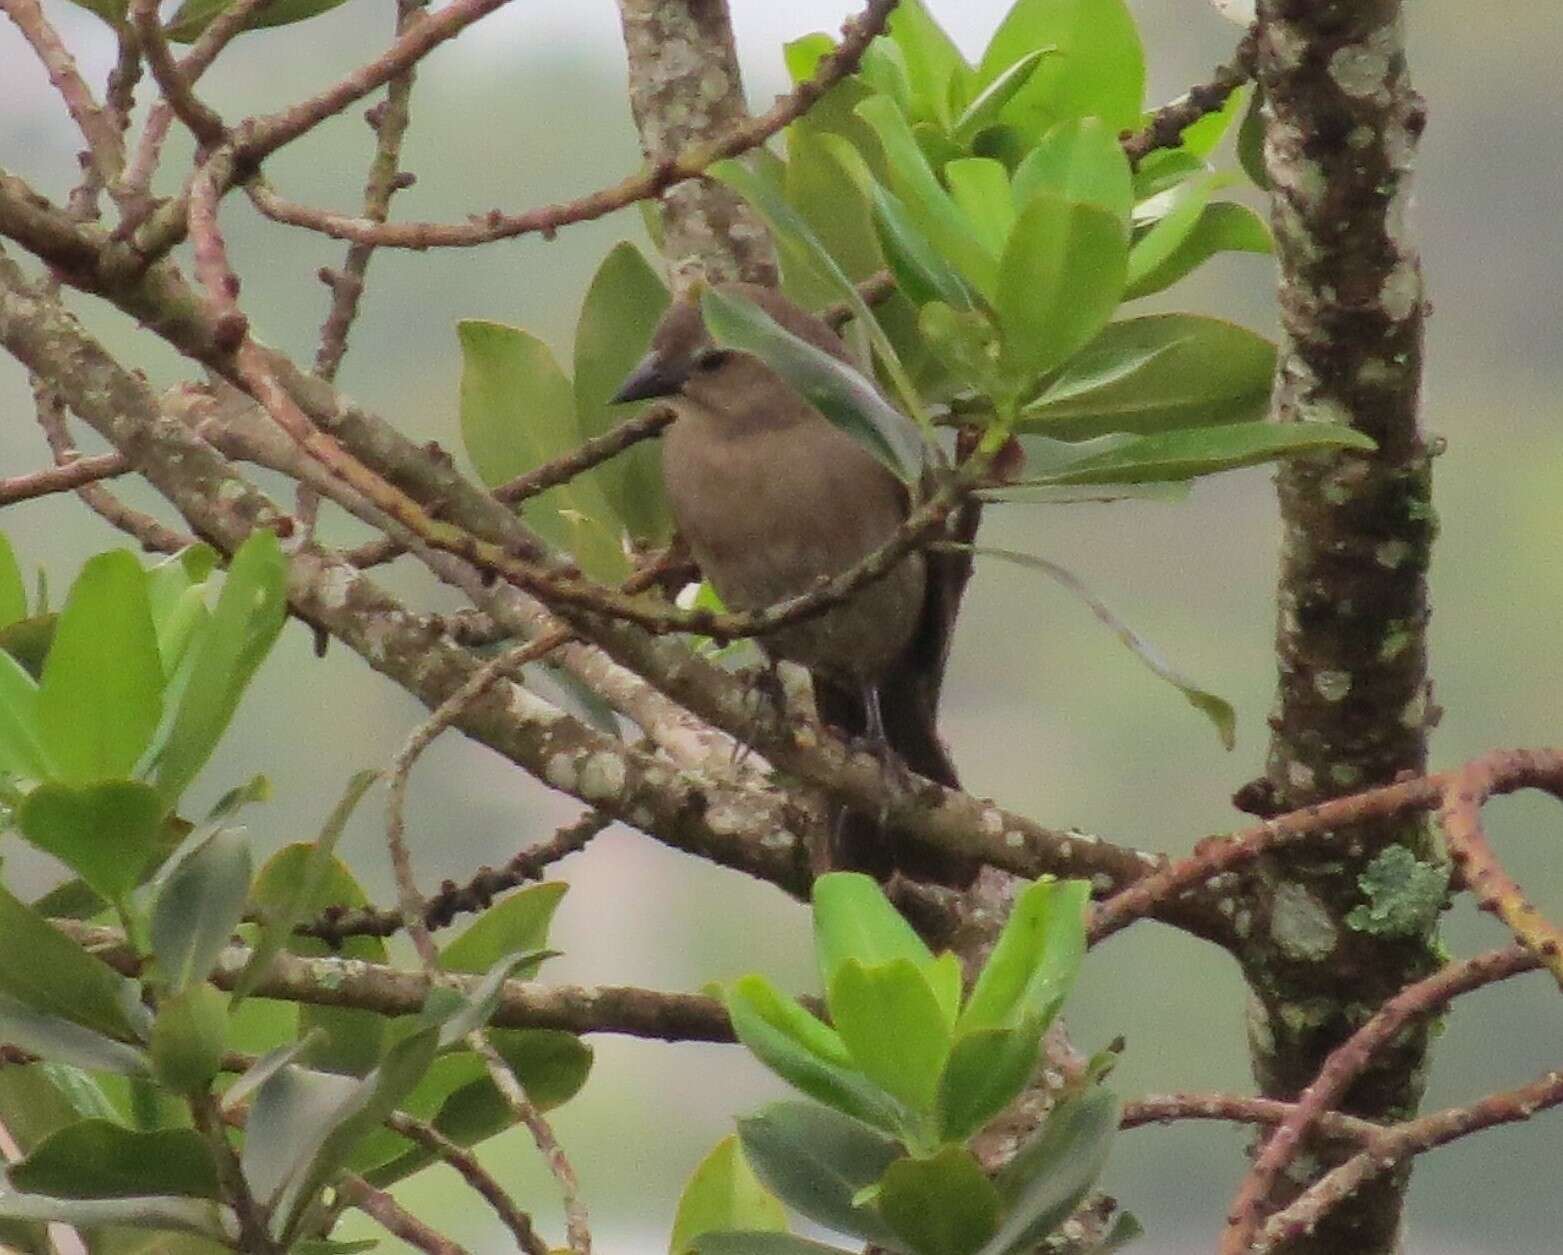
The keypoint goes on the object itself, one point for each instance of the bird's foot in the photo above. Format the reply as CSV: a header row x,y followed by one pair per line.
x,y
768,695
875,740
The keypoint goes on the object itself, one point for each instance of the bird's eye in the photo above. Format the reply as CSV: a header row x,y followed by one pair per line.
x,y
711,359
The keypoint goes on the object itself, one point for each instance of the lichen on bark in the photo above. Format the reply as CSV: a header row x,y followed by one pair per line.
x,y
1354,706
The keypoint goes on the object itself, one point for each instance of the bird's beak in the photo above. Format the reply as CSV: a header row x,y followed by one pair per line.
x,y
653,376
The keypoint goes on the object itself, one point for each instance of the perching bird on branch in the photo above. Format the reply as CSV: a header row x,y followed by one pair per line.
x,y
771,496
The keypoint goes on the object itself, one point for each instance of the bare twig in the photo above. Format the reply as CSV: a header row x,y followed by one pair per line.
x,y
391,1216
201,118
482,229
103,139
475,1175
62,478
1166,126
1344,1064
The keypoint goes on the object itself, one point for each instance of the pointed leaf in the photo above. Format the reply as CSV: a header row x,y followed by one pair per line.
x,y
13,589
1155,373
1054,1171
517,412
1154,250
22,751
723,1194
49,973
263,1069
101,696
984,110
184,1215
1062,277
1201,136
930,206
818,1161
930,56
892,1025
194,16
1208,450
1099,72
198,908
107,832
834,203
920,270
1222,227
842,395
940,1206
101,1159
622,306
316,869
60,1041
518,923
249,615
854,920
1079,161
805,1053
1034,963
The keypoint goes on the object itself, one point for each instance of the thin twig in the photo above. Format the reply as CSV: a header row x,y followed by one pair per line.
x,y
391,1216
103,138
204,122
1166,126
1345,1063
475,1175
692,162
62,478
1394,1145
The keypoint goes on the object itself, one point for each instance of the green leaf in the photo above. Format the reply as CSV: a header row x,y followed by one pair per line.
x,y
842,395
1160,172
891,1023
293,1112
473,1010
1080,161
1061,278
1099,72
1155,373
328,1246
1035,960
352,1038
984,111
930,56
460,1097
13,589
1201,136
1153,251
818,1161
920,271
518,923
517,412
821,187
22,751
199,906
805,1053
62,1042
1223,227
930,206
723,1193
107,832
854,920
968,345
1054,1171
980,187
249,615
184,1215
801,247
194,16
27,641
1404,895
803,55
189,1037
47,972
622,306
1215,708
944,978
317,865
987,1069
1209,450
102,691
101,1159
1251,142
940,1206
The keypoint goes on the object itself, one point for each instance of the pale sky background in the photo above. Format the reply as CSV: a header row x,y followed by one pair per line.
x,y
1044,710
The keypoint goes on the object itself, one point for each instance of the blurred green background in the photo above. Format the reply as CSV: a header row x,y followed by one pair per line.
x,y
1044,710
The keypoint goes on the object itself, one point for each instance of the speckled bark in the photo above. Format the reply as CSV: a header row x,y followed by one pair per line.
x,y
685,86
1353,707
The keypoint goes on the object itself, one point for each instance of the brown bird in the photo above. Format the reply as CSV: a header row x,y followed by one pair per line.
x,y
771,496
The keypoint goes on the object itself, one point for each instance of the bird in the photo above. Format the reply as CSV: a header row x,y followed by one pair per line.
x,y
770,496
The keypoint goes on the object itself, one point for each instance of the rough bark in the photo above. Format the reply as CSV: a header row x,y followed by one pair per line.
x,y
1354,707
684,85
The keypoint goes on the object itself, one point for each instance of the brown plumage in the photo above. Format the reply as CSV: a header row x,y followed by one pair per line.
x,y
770,496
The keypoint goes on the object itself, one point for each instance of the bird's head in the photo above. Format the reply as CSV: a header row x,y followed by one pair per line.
x,y
683,361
